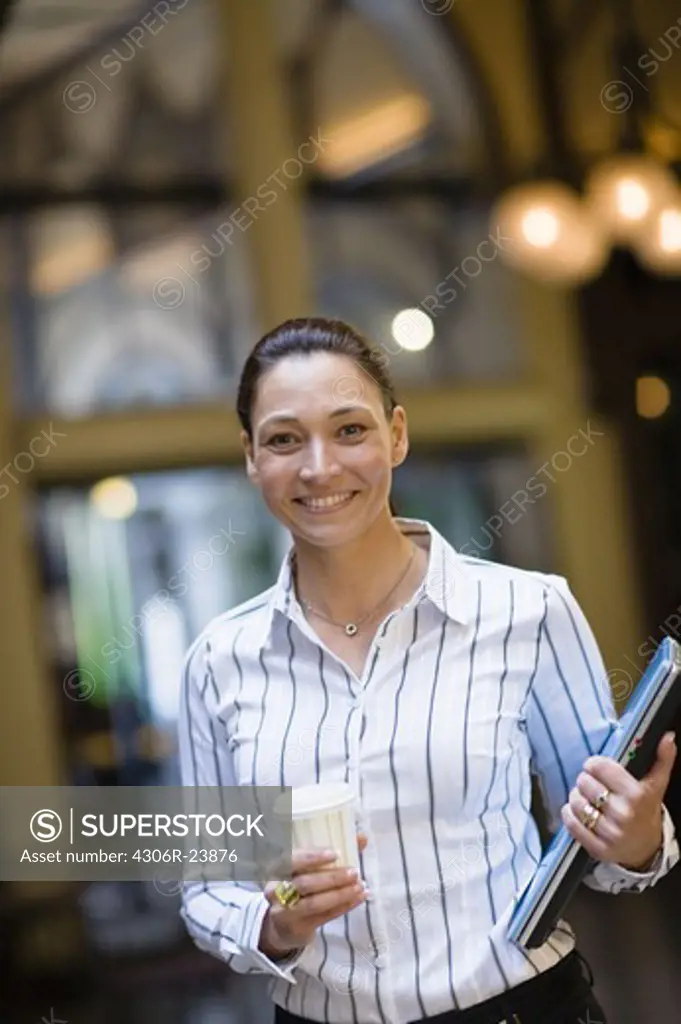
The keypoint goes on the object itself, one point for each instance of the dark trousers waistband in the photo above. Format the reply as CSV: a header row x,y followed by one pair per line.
x,y
533,1002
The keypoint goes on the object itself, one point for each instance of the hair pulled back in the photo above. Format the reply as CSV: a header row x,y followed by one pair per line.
x,y
305,336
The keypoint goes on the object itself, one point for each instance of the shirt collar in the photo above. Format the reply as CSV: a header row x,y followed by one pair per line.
x,y
447,583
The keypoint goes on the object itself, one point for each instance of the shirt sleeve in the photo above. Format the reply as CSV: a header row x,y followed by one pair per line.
x,y
570,715
224,918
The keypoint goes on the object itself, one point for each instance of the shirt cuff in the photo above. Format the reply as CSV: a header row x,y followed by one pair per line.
x,y
615,878
279,968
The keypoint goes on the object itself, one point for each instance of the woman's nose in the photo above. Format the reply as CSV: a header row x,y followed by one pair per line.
x,y
319,463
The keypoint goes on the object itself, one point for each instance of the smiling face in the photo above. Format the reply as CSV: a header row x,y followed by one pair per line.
x,y
323,447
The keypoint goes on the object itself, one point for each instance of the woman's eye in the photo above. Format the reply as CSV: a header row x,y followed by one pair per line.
x,y
281,440
353,430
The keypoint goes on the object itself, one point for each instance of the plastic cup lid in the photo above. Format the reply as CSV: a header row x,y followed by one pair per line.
x,y
316,799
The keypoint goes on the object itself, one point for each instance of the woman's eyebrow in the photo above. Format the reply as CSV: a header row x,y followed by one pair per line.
x,y
289,417
346,409
282,417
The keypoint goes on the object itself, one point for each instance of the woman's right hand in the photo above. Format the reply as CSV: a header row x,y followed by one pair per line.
x,y
326,892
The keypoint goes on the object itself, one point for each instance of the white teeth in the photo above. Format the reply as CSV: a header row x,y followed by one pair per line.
x,y
334,499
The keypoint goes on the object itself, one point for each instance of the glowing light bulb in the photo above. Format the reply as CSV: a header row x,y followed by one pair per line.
x,y
541,227
548,234
633,199
115,498
653,397
412,329
670,230
659,246
626,191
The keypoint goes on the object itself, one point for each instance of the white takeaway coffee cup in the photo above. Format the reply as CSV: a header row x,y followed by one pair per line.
x,y
323,817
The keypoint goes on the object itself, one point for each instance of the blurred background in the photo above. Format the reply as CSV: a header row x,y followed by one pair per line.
x,y
489,189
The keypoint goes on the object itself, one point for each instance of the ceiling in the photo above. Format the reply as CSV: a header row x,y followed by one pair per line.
x,y
410,96
41,33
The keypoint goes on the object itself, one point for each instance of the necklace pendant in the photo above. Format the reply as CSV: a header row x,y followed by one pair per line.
x,y
351,629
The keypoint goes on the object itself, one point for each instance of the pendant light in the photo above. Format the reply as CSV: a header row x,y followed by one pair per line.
x,y
548,234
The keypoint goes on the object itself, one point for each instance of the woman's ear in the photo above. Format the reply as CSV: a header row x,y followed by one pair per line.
x,y
247,446
400,436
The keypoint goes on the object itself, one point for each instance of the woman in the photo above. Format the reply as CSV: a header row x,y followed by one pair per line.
x,y
431,682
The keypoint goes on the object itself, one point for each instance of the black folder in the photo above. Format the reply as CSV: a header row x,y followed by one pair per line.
x,y
633,743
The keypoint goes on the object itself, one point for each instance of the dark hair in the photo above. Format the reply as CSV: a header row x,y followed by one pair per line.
x,y
302,337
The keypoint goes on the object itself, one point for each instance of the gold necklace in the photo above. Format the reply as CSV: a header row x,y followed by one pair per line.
x,y
352,628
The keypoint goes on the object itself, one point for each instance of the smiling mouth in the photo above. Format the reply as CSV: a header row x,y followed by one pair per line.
x,y
328,504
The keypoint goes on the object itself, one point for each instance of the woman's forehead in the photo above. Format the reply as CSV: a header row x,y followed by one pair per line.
x,y
321,380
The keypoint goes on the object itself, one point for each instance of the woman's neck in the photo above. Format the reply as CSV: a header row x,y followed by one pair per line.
x,y
348,581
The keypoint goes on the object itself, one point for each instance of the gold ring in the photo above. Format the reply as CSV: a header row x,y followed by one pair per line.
x,y
602,799
287,894
589,817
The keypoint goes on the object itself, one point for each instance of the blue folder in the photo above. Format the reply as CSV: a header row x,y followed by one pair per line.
x,y
633,743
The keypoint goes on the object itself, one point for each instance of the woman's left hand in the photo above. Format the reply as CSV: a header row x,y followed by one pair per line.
x,y
628,831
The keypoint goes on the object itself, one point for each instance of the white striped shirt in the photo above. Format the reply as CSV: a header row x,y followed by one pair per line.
x,y
486,674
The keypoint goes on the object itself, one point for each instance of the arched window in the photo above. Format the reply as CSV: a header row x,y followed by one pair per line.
x,y
398,211
121,303
396,206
